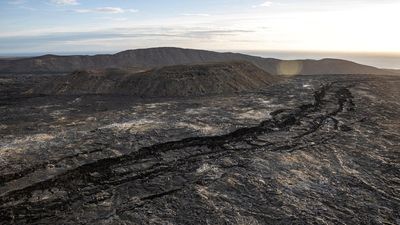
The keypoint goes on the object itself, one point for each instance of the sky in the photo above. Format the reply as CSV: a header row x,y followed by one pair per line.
x,y
367,27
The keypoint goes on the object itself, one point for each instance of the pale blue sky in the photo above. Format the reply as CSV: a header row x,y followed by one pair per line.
x,y
237,25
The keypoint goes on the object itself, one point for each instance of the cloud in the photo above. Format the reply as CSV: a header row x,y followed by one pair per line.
x,y
206,33
196,14
128,34
265,4
110,10
112,18
65,2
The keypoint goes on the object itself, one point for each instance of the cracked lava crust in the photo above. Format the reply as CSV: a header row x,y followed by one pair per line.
x,y
310,150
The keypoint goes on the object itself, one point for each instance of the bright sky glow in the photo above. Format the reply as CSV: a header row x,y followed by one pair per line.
x,y
277,25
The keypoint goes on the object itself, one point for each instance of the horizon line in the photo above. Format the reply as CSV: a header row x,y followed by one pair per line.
x,y
40,53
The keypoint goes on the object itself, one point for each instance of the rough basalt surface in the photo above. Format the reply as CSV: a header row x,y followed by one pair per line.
x,y
312,150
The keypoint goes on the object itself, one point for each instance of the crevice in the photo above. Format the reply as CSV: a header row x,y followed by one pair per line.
x,y
308,118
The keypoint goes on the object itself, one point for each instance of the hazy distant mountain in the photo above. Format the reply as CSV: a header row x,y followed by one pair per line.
x,y
157,57
396,71
170,81
338,66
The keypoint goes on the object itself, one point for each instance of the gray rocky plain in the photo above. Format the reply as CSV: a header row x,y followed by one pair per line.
x,y
305,150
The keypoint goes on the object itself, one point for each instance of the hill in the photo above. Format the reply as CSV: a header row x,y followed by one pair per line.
x,y
170,81
144,59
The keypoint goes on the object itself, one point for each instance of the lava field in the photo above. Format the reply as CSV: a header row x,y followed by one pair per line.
x,y
307,150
